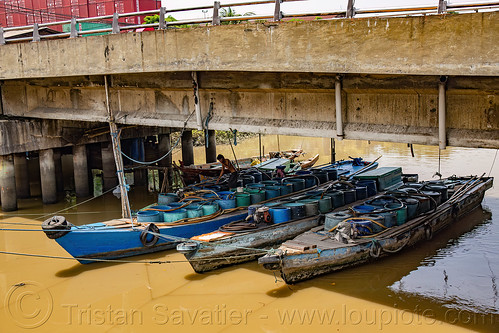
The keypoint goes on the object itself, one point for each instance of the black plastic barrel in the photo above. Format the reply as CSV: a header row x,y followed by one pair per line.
x,y
361,192
297,210
337,198
350,196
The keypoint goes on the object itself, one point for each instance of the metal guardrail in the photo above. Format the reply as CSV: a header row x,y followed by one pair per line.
x,y
351,12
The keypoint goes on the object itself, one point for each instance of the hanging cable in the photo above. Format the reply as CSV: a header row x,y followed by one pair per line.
x,y
168,153
493,162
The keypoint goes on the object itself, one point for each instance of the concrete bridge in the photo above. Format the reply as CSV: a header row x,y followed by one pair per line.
x,y
427,80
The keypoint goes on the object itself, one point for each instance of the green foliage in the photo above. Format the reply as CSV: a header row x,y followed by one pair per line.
x,y
222,137
229,12
296,20
155,19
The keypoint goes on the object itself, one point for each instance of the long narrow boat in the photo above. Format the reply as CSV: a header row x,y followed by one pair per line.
x,y
128,237
320,251
242,241
191,173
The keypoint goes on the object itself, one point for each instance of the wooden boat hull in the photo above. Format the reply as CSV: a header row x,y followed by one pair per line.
x,y
246,247
308,264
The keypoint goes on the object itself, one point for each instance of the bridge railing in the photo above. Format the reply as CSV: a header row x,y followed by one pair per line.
x,y
217,18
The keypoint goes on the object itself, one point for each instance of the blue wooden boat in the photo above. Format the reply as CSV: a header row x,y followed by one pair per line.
x,y
323,250
121,238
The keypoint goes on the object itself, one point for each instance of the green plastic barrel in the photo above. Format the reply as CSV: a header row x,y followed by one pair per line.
x,y
175,215
325,204
243,199
209,209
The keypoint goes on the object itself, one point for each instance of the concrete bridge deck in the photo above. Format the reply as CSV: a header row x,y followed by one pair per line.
x,y
276,78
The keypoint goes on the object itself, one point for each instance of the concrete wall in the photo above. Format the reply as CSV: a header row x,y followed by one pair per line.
x,y
375,107
459,44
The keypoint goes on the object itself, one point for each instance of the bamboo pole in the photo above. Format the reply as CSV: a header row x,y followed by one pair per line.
x,y
125,204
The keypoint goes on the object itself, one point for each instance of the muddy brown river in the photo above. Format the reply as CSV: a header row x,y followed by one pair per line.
x,y
447,284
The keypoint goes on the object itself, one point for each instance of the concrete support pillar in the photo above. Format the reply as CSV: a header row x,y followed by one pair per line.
x,y
22,176
442,135
164,146
47,175
80,167
187,148
59,176
8,183
339,115
211,150
108,166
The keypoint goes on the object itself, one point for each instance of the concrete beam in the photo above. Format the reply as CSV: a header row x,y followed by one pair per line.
x,y
460,44
396,108
22,135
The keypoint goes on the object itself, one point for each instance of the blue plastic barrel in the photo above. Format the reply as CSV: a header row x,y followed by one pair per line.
x,y
270,182
226,203
350,196
337,197
442,189
166,198
226,195
257,186
257,175
364,209
310,181
286,188
247,179
321,175
361,192
332,174
436,196
400,210
379,219
297,210
272,192
160,209
175,215
424,204
174,205
370,185
280,214
412,207
297,183
194,211
148,216
390,218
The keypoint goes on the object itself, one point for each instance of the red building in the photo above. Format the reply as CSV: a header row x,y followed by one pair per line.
x,y
26,12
